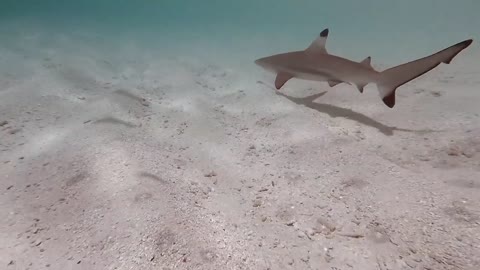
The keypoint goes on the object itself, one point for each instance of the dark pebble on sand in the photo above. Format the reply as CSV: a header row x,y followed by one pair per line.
x,y
211,174
14,131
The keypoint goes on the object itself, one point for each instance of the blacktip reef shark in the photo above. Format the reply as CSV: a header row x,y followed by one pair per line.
x,y
316,64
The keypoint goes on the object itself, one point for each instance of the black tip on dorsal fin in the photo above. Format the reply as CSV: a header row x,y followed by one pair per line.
x,y
324,33
367,62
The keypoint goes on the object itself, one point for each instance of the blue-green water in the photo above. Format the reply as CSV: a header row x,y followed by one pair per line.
x,y
387,30
117,115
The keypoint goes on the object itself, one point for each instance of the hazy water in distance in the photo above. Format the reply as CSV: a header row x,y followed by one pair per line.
x,y
389,31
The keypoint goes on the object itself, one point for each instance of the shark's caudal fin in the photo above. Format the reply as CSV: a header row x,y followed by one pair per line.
x,y
394,77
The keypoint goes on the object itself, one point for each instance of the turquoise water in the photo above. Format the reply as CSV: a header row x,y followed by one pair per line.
x,y
388,30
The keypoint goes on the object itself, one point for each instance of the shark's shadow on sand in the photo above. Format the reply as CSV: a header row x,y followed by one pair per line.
x,y
334,111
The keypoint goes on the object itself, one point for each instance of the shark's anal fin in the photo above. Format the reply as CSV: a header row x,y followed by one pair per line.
x,y
318,46
360,87
281,79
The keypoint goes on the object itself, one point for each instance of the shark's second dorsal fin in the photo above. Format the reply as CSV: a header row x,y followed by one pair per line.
x,y
318,46
367,62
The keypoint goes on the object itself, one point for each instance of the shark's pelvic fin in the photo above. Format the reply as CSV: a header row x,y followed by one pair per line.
x,y
318,46
390,79
281,79
333,83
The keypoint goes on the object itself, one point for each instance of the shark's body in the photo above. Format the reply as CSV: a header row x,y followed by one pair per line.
x,y
315,63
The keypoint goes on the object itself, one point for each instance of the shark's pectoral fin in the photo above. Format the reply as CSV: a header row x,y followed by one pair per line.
x,y
318,46
281,79
332,83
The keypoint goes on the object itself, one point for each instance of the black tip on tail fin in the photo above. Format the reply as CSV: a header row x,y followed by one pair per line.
x,y
397,76
324,33
463,45
466,43
390,100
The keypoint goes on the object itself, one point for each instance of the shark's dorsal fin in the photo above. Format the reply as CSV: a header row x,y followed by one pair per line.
x,y
367,62
281,79
318,46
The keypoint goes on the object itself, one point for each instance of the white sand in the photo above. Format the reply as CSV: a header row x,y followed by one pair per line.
x,y
106,163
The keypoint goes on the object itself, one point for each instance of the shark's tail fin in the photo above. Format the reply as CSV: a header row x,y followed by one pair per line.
x,y
390,79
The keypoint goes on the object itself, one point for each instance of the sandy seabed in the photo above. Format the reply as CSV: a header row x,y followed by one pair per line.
x,y
138,160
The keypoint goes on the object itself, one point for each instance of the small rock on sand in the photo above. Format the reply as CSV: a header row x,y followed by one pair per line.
x,y
257,203
211,174
14,131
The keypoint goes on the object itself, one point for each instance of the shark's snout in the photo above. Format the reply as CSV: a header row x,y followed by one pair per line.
x,y
259,62
262,63
267,64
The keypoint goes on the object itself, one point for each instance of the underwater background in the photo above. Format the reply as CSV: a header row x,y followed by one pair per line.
x,y
388,30
141,135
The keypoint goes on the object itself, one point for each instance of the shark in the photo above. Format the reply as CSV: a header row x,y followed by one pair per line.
x,y
315,63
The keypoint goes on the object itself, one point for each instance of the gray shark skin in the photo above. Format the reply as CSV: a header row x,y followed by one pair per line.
x,y
315,63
